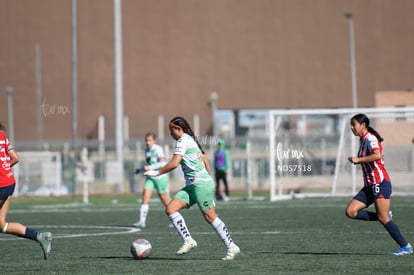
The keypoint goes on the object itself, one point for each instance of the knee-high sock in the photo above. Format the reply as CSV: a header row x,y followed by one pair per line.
x,y
143,213
366,216
179,223
222,231
395,233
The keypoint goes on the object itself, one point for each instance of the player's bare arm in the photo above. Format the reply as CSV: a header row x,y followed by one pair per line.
x,y
376,155
206,163
14,158
171,165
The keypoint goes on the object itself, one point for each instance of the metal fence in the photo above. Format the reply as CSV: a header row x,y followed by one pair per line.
x,y
52,169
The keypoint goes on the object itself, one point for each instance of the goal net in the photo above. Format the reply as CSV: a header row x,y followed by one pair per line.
x,y
309,149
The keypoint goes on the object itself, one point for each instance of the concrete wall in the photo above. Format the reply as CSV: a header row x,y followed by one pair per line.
x,y
395,131
254,54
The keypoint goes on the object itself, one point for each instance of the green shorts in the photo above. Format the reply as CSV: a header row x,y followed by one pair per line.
x,y
200,193
159,183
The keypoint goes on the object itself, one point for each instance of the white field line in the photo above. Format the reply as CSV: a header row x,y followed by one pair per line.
x,y
120,231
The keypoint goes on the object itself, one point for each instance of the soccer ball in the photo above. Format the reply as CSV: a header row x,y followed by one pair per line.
x,y
141,248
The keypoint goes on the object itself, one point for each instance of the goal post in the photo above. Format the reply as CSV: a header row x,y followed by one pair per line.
x,y
308,150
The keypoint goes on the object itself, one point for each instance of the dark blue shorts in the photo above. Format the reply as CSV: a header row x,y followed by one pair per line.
x,y
368,194
6,192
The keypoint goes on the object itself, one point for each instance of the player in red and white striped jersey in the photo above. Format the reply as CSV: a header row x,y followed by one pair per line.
x,y
377,184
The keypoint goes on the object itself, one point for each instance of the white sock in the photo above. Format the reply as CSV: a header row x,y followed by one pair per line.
x,y
143,213
179,223
222,231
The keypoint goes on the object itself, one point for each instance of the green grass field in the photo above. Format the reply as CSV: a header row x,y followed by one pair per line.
x,y
310,236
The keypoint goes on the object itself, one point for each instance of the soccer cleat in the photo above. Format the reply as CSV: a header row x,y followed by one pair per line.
x,y
231,253
139,224
45,241
408,249
187,246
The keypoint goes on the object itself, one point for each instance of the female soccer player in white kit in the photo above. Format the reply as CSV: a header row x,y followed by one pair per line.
x,y
154,157
199,188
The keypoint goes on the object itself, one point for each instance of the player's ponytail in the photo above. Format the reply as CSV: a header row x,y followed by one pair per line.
x,y
375,133
182,122
362,118
2,127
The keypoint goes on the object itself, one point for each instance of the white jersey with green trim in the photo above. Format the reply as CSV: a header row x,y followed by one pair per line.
x,y
192,163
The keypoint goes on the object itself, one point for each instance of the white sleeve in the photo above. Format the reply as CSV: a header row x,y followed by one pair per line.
x,y
180,147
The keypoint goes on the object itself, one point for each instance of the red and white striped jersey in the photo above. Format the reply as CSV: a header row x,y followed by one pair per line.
x,y
6,172
373,172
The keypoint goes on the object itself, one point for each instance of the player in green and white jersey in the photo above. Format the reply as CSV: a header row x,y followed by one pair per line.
x,y
199,188
155,159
